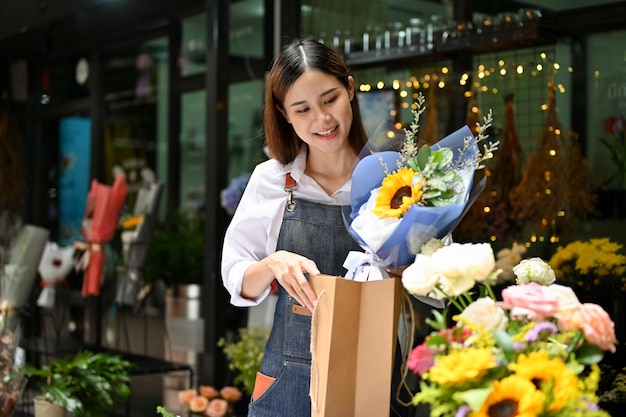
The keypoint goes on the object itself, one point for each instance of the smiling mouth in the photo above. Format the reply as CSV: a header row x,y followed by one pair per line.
x,y
327,132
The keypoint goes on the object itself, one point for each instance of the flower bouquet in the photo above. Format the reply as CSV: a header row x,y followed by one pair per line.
x,y
104,204
535,353
402,199
208,401
55,265
137,231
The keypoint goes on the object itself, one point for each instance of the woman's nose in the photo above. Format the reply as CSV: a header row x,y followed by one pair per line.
x,y
323,114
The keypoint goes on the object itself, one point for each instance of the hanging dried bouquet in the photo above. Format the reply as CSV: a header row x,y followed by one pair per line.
x,y
557,186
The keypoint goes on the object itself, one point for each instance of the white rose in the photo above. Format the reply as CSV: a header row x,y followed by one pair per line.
x,y
534,270
421,277
466,261
485,312
454,287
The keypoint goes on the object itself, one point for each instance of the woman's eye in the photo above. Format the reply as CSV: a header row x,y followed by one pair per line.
x,y
330,100
302,110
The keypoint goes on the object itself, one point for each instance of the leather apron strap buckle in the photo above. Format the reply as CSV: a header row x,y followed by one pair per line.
x,y
290,187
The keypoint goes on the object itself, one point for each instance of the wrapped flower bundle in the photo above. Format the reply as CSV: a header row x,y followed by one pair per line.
x,y
402,199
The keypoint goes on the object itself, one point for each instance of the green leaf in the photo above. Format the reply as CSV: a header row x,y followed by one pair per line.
x,y
504,341
589,354
423,156
473,397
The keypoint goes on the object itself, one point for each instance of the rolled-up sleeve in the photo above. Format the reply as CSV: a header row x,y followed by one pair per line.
x,y
252,233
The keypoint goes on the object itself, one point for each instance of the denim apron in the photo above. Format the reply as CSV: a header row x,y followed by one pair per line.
x,y
317,231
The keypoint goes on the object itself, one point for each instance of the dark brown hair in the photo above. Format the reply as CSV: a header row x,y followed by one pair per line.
x,y
282,141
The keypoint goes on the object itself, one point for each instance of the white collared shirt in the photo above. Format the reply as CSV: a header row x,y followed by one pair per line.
x,y
253,232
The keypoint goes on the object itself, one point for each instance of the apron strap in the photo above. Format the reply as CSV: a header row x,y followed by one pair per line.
x,y
290,187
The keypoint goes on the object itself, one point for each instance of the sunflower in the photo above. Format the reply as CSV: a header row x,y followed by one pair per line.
x,y
548,374
397,194
513,396
461,366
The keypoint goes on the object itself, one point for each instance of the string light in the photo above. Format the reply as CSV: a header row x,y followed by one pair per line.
x,y
482,73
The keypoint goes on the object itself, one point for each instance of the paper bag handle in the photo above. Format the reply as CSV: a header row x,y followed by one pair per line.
x,y
315,380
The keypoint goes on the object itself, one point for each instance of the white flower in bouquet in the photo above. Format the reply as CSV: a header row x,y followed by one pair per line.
x,y
451,270
487,313
421,277
534,270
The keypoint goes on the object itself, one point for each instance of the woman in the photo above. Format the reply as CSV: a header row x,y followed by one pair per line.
x,y
289,224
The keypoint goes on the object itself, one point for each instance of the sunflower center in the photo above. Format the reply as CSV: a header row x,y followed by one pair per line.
x,y
505,408
396,201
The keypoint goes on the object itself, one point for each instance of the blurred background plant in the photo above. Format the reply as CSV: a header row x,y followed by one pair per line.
x,y
245,355
176,253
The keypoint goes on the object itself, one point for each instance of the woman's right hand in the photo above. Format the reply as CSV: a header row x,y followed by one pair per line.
x,y
289,269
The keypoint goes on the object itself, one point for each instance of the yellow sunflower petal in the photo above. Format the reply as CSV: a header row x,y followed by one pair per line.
x,y
397,194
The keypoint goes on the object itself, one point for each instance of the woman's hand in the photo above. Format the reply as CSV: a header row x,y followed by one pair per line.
x,y
289,269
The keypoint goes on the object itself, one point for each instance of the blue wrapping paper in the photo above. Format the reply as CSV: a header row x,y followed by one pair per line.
x,y
420,223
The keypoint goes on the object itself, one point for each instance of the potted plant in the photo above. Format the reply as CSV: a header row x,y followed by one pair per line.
x,y
86,384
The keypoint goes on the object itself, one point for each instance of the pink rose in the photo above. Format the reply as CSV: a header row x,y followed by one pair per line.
x,y
231,394
421,359
217,408
208,392
198,404
186,395
594,322
531,300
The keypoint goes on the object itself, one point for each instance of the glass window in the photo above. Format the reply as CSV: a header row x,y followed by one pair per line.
x,y
245,136
606,69
192,150
193,49
135,122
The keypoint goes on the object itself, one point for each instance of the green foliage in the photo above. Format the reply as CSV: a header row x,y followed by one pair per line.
x,y
85,384
246,354
176,253
161,410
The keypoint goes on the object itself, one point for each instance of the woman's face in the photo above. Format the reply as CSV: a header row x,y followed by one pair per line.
x,y
318,107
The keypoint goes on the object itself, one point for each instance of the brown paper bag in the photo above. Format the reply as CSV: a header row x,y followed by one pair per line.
x,y
353,340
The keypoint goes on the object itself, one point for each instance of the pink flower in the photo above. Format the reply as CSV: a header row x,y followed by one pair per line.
x,y
186,395
208,392
231,394
198,404
594,322
531,300
217,408
421,359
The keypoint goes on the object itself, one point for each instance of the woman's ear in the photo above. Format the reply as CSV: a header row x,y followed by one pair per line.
x,y
351,87
283,112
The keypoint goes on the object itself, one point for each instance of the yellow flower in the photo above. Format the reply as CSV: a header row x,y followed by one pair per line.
x,y
397,194
551,374
132,222
462,365
513,396
597,263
